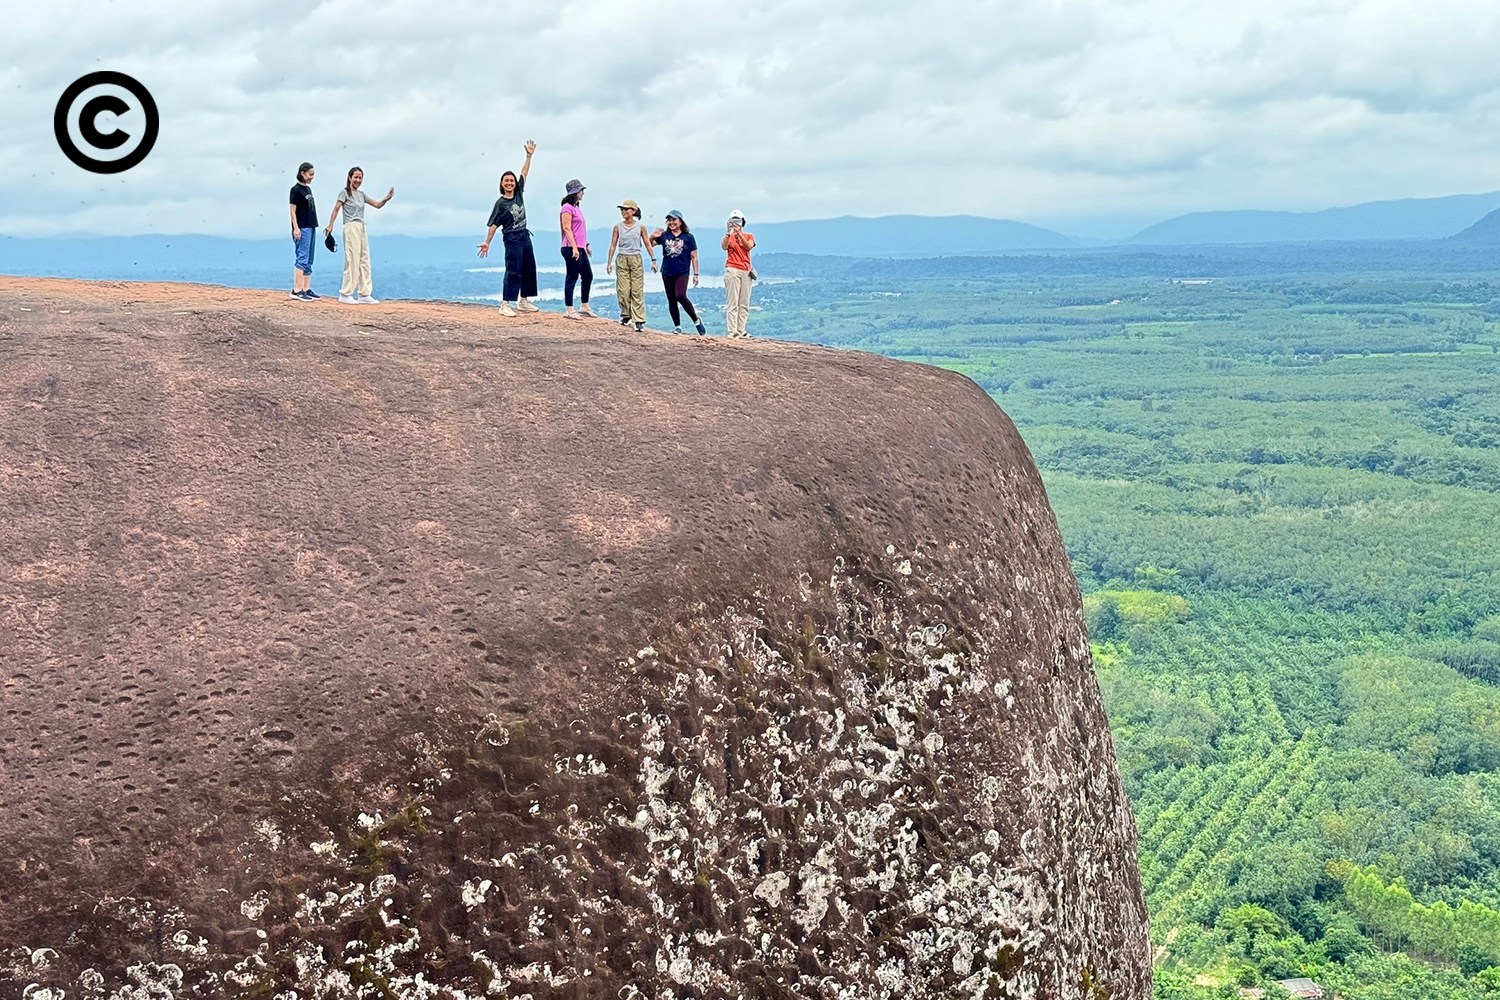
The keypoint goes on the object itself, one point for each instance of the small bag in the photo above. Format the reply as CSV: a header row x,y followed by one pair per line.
x,y
328,242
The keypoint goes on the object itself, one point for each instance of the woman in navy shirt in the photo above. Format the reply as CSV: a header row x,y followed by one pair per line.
x,y
679,254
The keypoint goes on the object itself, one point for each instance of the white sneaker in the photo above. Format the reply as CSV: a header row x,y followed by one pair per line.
x,y
349,299
526,307
506,309
369,300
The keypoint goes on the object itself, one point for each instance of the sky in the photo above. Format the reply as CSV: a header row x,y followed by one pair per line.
x,y
1095,117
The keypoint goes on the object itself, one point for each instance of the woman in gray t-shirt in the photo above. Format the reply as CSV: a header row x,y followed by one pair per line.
x,y
352,201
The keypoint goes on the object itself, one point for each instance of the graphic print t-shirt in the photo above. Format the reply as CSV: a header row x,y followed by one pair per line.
x,y
510,213
676,252
307,211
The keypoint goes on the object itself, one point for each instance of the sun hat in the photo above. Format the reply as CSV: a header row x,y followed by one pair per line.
x,y
574,186
630,204
674,214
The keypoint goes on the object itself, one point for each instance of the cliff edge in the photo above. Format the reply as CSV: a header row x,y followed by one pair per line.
x,y
406,651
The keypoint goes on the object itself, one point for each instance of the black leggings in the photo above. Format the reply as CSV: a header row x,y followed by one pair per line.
x,y
580,268
677,286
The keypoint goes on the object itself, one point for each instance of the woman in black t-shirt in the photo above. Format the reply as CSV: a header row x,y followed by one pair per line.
x,y
509,216
304,215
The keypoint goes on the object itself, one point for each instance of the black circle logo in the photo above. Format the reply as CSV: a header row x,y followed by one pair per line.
x,y
88,125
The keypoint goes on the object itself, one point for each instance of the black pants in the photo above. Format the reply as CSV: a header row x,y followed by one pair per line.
x,y
580,268
520,266
677,286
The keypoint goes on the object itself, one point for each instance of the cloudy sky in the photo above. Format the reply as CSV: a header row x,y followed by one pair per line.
x,y
1093,116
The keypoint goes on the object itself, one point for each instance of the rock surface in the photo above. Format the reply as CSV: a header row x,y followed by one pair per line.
x,y
405,651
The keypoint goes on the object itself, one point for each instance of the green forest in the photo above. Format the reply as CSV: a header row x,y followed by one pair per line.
x,y
1278,475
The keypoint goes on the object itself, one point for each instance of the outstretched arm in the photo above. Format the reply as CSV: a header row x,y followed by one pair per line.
x,y
526,167
380,202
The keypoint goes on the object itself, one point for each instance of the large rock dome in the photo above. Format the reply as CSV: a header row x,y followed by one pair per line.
x,y
406,651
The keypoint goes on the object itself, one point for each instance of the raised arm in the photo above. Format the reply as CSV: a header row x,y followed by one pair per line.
x,y
380,202
526,167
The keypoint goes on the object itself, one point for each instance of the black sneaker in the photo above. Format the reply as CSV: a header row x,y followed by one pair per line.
x,y
676,329
624,320
639,327
309,294
700,329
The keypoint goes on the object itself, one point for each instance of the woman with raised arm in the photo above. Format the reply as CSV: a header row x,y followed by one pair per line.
x,y
509,216
679,254
630,240
352,201
575,251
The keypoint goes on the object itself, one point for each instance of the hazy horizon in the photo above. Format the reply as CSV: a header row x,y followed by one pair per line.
x,y
1086,230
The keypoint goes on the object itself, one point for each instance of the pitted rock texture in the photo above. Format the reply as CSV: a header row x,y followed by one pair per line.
x,y
406,651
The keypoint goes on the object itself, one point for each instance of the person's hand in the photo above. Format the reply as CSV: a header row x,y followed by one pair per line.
x,y
328,230
530,147
695,281
297,233
390,194
609,267
656,233
588,249
575,253
484,249
653,265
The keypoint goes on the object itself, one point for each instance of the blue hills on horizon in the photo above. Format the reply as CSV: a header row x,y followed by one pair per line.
x,y
1472,218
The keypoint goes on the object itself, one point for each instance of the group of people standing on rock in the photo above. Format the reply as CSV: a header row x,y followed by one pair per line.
x,y
629,246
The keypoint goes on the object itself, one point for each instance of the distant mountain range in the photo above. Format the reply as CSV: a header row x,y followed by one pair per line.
x,y
908,236
1486,230
1407,219
1470,217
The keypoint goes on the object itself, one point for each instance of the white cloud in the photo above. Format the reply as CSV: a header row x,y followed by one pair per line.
x,y
1029,109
